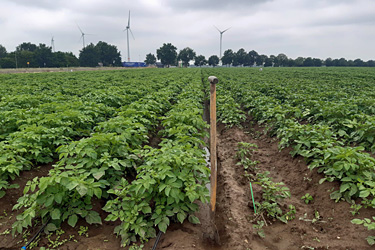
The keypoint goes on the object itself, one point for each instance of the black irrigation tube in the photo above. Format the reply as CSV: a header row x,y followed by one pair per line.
x,y
157,240
35,236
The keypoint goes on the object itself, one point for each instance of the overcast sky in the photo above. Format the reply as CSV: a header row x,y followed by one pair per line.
x,y
307,28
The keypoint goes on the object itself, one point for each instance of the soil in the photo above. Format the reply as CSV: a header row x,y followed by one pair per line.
x,y
234,210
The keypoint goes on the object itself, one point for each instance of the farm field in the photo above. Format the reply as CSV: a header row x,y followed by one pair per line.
x,y
114,157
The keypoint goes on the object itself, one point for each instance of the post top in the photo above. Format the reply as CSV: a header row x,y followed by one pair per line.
x,y
213,79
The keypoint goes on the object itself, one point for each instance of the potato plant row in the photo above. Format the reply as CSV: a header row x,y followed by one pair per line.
x,y
325,115
145,185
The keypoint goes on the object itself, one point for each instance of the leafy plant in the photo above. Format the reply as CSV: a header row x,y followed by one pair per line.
x,y
370,226
307,198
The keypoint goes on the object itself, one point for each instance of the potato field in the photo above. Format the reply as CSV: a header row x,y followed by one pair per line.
x,y
113,159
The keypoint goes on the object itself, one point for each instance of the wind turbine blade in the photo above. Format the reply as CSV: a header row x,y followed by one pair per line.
x,y
226,30
129,20
79,28
217,28
131,33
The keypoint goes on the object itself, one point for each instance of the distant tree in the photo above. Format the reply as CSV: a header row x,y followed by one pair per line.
x,y
308,62
228,57
358,63
370,63
298,62
167,54
65,59
273,60
200,60
213,60
150,59
26,59
89,56
328,62
282,60
108,54
251,58
240,57
71,59
7,62
26,47
317,62
342,62
3,51
186,55
261,60
43,56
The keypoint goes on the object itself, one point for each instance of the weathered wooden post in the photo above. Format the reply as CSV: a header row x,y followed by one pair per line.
x,y
213,155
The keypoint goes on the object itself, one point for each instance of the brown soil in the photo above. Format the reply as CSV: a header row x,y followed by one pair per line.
x,y
234,211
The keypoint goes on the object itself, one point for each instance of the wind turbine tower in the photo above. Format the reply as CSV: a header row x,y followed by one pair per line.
x,y
53,44
127,35
221,38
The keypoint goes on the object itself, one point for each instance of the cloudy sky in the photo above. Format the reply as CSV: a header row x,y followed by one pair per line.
x,y
307,28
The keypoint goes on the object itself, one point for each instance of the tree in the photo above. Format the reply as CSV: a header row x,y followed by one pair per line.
x,y
282,60
43,56
308,62
213,60
299,61
317,62
328,62
26,47
358,63
261,60
251,58
167,54
150,59
186,55
228,57
89,56
200,60
3,51
108,54
239,57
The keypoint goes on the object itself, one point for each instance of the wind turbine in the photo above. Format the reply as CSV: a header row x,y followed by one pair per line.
x,y
127,35
82,36
221,37
53,44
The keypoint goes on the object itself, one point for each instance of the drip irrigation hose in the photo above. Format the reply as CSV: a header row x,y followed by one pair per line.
x,y
157,240
36,235
252,197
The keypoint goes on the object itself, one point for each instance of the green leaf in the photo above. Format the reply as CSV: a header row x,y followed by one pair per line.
x,y
193,219
55,214
162,227
181,217
357,221
97,175
73,220
371,240
98,192
51,227
364,193
146,210
58,197
93,217
82,189
2,193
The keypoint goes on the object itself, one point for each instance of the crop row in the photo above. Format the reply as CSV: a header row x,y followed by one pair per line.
x,y
330,128
145,186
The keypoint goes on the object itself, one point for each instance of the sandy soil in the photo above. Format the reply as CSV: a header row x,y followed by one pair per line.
x,y
234,214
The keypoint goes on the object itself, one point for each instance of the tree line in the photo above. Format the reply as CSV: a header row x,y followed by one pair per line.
x,y
168,56
38,56
104,54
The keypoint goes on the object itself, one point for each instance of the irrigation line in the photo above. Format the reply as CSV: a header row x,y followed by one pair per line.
x,y
252,197
157,240
35,236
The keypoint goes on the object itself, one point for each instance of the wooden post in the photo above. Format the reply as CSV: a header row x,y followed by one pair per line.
x,y
213,81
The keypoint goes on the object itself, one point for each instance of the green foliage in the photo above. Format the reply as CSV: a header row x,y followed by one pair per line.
x,y
307,198
370,225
